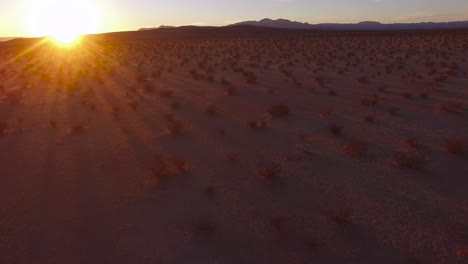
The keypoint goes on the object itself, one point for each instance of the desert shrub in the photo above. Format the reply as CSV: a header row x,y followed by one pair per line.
x,y
256,124
462,251
369,119
156,74
92,107
454,146
115,111
394,111
362,80
174,127
411,143
370,102
52,123
166,93
278,223
301,136
179,165
424,95
341,217
175,106
78,128
327,113
211,109
407,95
232,156
124,130
195,75
209,190
148,88
355,150
98,78
410,160
141,77
335,129
279,110
3,128
250,77
311,242
269,172
452,107
165,168
232,91
204,227
225,83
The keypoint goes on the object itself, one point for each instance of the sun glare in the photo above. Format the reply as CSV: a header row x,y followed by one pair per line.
x,y
64,21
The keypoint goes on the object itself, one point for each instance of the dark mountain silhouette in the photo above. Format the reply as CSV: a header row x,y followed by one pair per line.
x,y
162,26
253,31
198,32
365,25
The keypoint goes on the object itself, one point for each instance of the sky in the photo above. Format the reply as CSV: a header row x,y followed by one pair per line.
x,y
122,15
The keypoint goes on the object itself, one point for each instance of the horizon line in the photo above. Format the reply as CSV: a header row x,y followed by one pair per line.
x,y
242,21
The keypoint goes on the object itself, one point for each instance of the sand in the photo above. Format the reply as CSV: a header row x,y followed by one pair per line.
x,y
306,148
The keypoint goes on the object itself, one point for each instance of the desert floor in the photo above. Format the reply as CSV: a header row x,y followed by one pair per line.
x,y
326,148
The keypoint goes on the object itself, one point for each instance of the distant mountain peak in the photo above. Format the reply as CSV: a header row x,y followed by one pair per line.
x,y
369,23
278,23
165,26
162,26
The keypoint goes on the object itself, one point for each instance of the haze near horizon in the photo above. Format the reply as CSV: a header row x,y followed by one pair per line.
x,y
21,18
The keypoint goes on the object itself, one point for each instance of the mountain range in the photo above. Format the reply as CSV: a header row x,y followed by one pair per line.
x,y
365,25
258,27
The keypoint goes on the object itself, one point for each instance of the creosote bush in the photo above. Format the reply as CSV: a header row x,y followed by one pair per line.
x,y
165,168
415,161
209,190
335,129
411,143
3,128
256,124
53,123
278,223
369,119
269,172
78,129
341,217
211,109
174,127
454,146
355,150
394,111
452,108
279,110
232,156
204,227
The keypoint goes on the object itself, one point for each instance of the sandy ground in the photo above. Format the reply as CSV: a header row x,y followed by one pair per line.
x,y
339,148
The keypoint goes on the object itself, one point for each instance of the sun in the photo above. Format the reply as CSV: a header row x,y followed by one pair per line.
x,y
62,20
